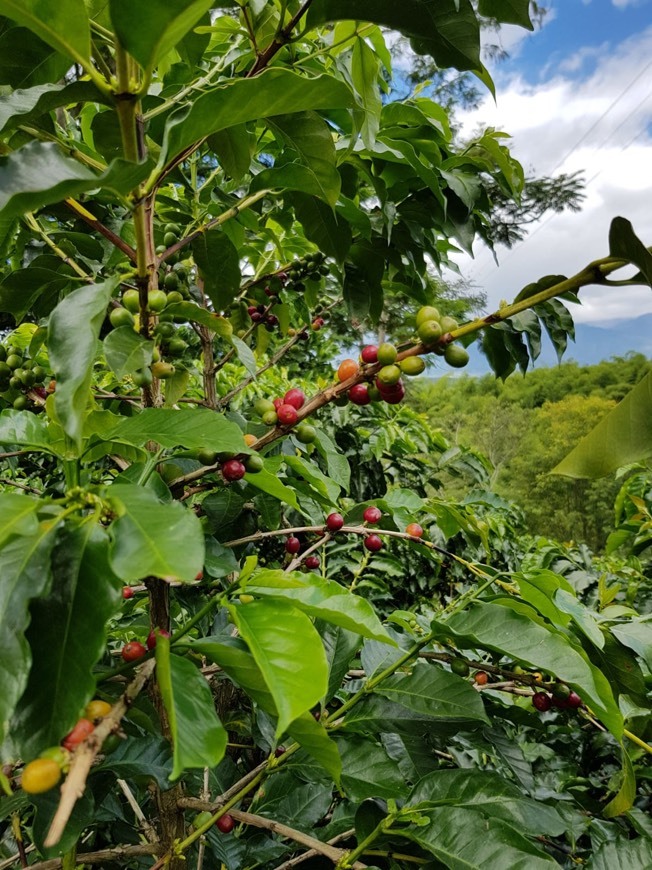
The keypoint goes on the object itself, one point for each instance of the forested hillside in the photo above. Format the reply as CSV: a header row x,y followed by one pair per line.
x,y
526,425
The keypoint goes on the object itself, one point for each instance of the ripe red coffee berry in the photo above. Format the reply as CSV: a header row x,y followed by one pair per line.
x,y
312,562
80,732
573,700
292,545
127,592
225,823
414,530
373,543
541,701
295,397
233,469
133,651
372,514
287,415
359,394
334,522
369,354
151,637
277,403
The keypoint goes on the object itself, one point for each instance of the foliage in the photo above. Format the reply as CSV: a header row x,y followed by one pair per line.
x,y
186,189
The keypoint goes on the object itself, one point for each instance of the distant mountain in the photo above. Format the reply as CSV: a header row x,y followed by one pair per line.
x,y
592,344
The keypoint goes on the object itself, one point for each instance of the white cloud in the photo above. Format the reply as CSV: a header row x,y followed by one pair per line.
x,y
566,124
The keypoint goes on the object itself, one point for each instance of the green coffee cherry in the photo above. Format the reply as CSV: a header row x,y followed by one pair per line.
x,y
387,354
428,312
412,365
429,332
456,356
389,375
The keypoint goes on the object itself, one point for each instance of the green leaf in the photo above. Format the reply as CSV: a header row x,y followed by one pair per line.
x,y
489,794
149,30
17,515
367,770
245,354
324,599
141,759
625,244
340,645
623,855
311,162
40,174
67,636
581,616
325,490
460,839
507,11
337,465
198,737
147,536
331,233
126,351
72,343
273,92
493,627
25,574
267,482
24,429
313,737
622,437
289,653
63,24
447,29
233,148
22,105
636,635
219,265
82,815
232,655
20,289
201,428
626,796
365,68
190,311
26,60
433,691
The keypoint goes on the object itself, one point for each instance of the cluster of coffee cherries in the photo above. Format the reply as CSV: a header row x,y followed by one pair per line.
x,y
21,375
262,316
388,385
134,650
225,824
554,694
312,267
44,772
285,412
432,327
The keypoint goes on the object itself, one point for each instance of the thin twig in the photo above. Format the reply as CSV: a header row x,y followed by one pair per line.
x,y
84,755
312,853
92,221
117,853
148,830
302,556
281,39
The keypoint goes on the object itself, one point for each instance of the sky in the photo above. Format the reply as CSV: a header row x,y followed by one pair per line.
x,y
576,94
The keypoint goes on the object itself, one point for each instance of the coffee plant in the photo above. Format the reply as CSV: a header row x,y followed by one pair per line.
x,y
242,624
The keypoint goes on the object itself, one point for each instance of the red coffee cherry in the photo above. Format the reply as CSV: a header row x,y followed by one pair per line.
x,y
372,514
334,522
154,633
127,592
287,415
133,651
295,397
359,394
573,700
312,562
481,678
80,732
541,701
225,823
233,469
373,543
414,530
292,545
369,354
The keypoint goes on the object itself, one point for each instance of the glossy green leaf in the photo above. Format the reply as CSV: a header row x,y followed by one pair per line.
x,y
232,655
67,636
623,854
27,61
40,174
72,341
487,793
273,92
367,770
201,428
25,574
507,11
324,599
24,104
310,164
625,244
492,627
17,515
433,691
365,69
245,355
340,645
126,351
448,29
337,465
581,616
198,737
289,653
331,233
267,482
149,30
22,429
141,759
21,288
325,490
622,437
233,147
636,635
624,799
219,265
190,311
153,538
313,737
63,24
462,839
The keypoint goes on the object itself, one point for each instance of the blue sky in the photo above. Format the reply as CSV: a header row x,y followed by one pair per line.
x,y
575,95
